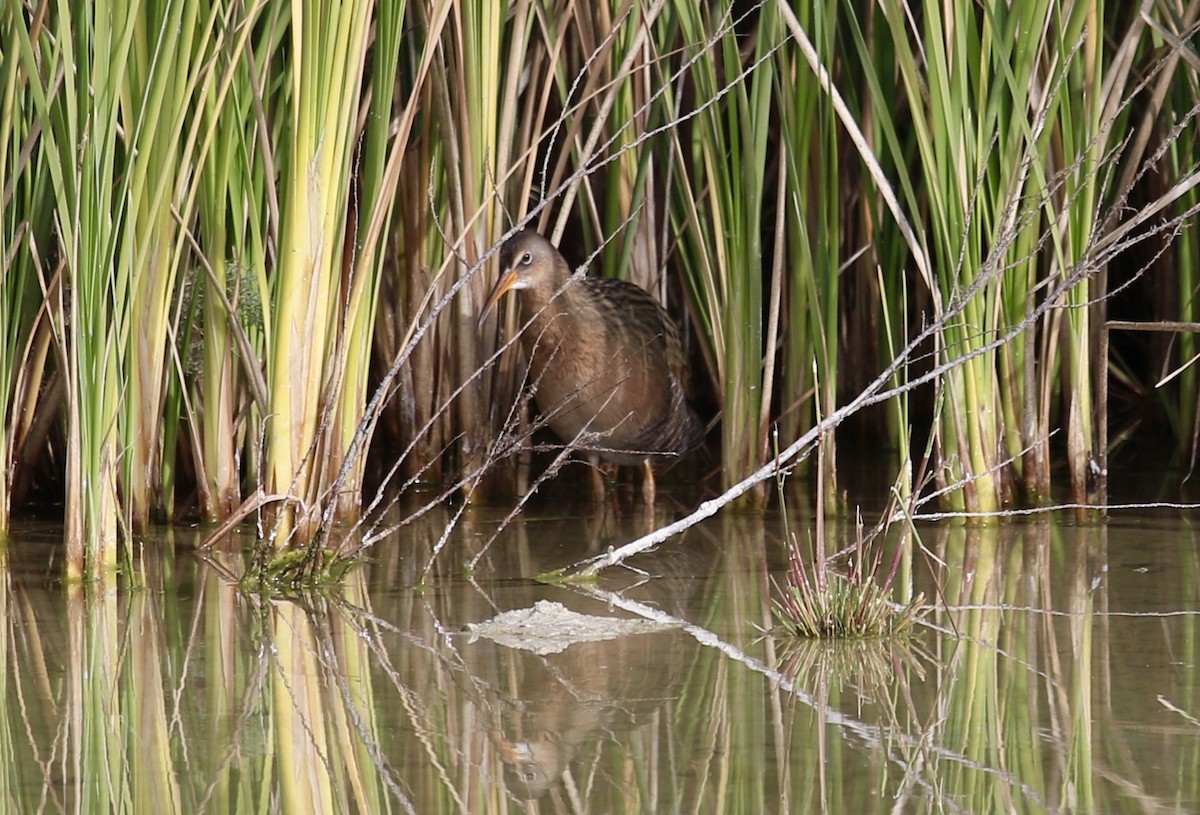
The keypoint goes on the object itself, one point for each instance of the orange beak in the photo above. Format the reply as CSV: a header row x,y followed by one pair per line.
x,y
507,280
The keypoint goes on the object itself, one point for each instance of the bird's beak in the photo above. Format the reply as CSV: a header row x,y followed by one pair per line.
x,y
507,280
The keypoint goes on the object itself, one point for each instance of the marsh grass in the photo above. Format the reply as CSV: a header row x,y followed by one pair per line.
x,y
89,55
809,265
799,188
719,213
819,602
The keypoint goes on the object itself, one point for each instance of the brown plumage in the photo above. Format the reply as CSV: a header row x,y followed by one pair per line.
x,y
605,358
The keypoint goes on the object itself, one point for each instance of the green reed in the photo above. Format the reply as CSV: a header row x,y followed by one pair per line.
x,y
1080,129
718,213
995,192
478,128
623,202
316,105
1181,159
951,161
278,203
812,200
220,340
25,223
415,252
167,78
91,48
372,199
324,286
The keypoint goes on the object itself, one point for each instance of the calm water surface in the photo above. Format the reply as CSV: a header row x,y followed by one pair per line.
x,y
1056,672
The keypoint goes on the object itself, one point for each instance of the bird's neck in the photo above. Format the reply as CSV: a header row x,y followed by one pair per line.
x,y
554,310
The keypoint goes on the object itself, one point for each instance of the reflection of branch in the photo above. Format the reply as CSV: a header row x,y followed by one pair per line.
x,y
332,661
872,736
1187,717
247,710
413,702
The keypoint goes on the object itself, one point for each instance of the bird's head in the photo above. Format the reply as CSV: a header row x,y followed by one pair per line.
x,y
527,260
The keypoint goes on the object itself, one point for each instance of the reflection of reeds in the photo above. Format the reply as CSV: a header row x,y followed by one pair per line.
x,y
323,712
868,665
1024,694
872,674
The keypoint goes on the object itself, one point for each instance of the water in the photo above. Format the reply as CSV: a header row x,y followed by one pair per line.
x,y
1057,672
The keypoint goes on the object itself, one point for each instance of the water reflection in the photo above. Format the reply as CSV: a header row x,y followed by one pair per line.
x,y
1056,672
550,717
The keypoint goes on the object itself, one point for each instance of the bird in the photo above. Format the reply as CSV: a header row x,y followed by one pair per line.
x,y
606,361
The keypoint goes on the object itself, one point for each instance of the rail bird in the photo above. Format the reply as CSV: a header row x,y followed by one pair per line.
x,y
605,359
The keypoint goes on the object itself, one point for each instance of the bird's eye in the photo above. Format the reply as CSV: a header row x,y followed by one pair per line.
x,y
526,258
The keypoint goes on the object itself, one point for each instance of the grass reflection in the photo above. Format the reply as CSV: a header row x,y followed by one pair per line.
x,y
1053,673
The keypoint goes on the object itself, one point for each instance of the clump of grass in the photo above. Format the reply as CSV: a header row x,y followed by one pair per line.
x,y
295,571
822,603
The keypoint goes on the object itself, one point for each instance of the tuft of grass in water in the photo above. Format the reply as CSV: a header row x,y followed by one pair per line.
x,y
295,571
824,604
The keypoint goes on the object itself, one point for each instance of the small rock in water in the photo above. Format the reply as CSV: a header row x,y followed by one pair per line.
x,y
550,628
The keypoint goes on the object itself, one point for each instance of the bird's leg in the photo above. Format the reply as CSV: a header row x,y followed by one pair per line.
x,y
648,488
599,488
